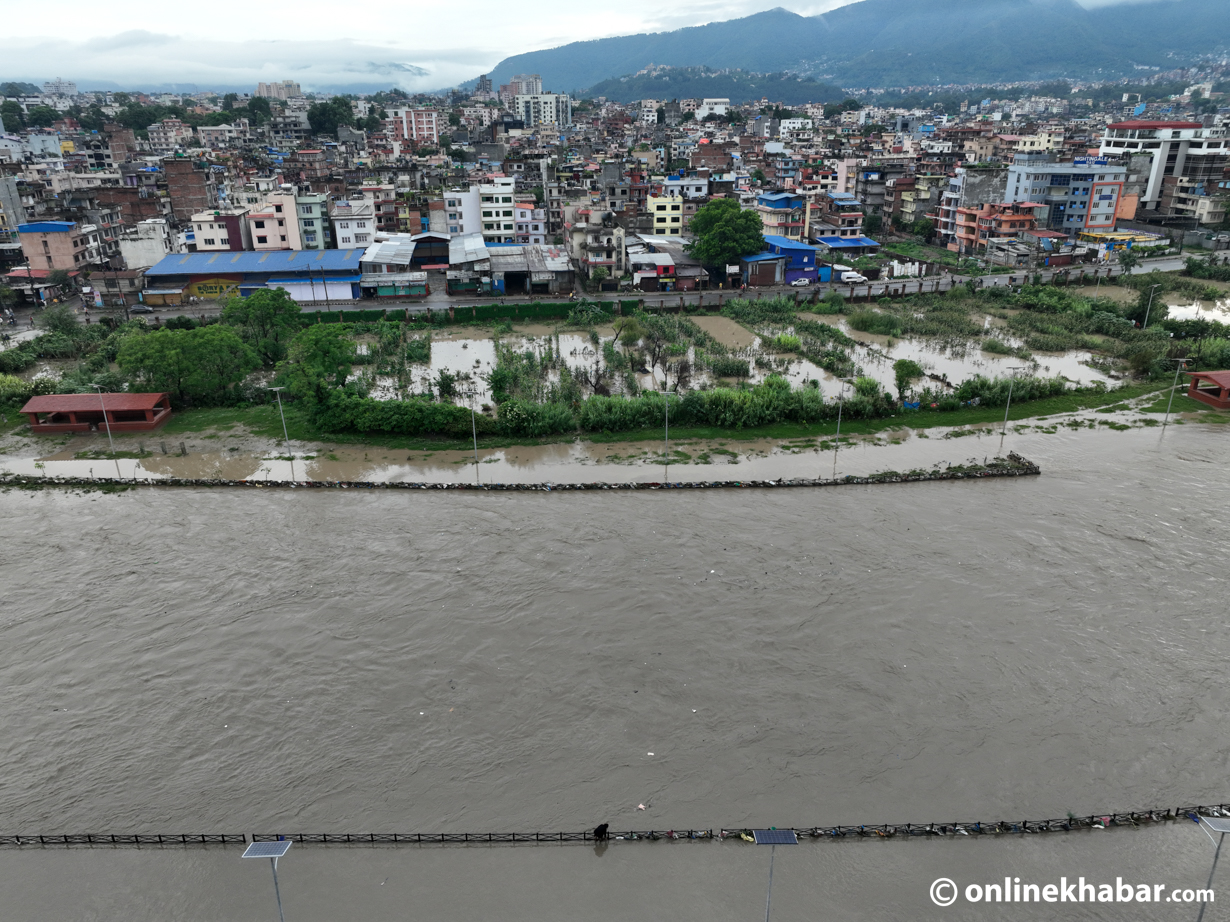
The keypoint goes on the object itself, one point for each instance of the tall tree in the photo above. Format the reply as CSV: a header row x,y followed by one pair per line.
x,y
321,357
327,117
724,232
267,320
199,366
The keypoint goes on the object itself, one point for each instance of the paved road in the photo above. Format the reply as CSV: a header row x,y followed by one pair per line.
x,y
714,298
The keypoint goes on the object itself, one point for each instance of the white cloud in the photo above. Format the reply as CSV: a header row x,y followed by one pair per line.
x,y
232,43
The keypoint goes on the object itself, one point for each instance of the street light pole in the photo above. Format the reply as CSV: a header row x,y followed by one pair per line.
x,y
102,403
1179,363
1011,381
278,391
1149,307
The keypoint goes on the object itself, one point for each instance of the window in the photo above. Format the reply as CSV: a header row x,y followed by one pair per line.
x,y
278,209
259,225
225,241
453,229
306,209
486,214
262,239
360,224
310,222
508,214
508,199
362,238
283,238
345,225
209,241
281,223
536,227
345,240
661,208
309,238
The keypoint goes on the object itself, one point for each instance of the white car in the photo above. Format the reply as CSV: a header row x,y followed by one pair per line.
x,y
801,283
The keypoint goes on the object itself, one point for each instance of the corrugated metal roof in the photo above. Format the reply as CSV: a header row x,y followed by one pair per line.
x,y
83,403
466,248
269,261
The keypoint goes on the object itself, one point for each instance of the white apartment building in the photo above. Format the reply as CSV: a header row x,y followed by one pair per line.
x,y
497,212
531,223
544,109
711,107
460,212
1186,150
169,134
354,222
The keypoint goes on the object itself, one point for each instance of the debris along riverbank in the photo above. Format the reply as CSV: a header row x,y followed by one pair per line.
x,y
1070,823
1012,466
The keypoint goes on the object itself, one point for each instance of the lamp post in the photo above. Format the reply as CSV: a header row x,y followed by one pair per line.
x,y
273,851
1011,381
278,390
1179,365
102,403
773,838
1150,305
469,394
1222,827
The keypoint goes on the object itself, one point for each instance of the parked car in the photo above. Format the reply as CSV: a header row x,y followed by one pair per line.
x,y
853,278
140,309
801,283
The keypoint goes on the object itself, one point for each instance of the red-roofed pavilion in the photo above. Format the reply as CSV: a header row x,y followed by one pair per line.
x,y
84,412
1211,387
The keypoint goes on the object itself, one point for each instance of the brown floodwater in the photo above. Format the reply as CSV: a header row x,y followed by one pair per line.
x,y
245,660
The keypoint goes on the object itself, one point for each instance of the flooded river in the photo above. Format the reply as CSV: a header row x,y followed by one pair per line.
x,y
319,661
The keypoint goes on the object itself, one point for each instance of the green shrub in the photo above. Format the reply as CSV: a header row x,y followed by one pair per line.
x,y
875,322
787,342
997,346
727,367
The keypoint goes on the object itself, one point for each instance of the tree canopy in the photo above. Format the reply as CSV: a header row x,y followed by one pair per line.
x,y
327,117
320,359
267,320
199,366
724,232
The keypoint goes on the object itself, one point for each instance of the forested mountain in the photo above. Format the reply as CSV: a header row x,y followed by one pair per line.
x,y
909,42
700,82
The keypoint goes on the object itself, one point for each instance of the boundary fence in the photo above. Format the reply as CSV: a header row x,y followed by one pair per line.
x,y
1070,823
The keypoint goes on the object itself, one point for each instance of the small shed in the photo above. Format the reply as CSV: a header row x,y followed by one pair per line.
x,y
85,412
1211,387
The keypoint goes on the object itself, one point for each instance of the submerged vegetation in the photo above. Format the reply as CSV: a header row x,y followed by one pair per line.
x,y
623,371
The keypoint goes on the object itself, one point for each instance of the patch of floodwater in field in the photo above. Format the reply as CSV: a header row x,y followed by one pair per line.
x,y
726,331
1181,309
472,357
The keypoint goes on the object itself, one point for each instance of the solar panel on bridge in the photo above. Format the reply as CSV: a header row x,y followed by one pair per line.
x,y
1217,824
267,849
775,837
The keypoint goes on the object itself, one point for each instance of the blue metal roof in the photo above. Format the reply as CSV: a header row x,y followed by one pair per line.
x,y
762,257
848,242
46,227
787,243
266,262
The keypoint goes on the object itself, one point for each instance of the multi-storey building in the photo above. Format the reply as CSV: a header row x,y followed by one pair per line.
x,y
222,229
496,211
531,223
284,89
1177,149
168,135
67,245
1079,196
419,125
354,222
313,213
784,214
275,225
667,212
543,109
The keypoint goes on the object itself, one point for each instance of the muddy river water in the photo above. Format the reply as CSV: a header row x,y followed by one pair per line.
x,y
320,661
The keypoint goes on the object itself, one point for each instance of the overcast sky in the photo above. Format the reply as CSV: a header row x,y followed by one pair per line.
x,y
229,43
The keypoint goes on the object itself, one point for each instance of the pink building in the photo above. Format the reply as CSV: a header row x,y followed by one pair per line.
x,y
419,125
